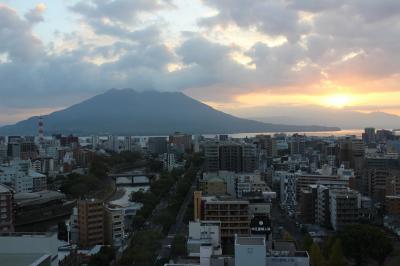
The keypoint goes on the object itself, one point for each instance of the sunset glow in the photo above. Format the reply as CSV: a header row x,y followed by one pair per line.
x,y
337,101
234,55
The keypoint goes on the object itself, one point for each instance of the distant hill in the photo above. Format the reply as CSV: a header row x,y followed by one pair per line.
x,y
128,112
345,119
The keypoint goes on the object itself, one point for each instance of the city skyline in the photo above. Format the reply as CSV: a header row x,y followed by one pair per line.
x,y
228,54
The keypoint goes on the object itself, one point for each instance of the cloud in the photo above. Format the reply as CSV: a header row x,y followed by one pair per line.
x,y
35,15
272,17
17,40
117,17
124,43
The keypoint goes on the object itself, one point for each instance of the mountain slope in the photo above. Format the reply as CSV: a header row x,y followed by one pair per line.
x,y
144,113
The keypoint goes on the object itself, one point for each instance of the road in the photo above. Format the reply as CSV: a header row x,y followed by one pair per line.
x,y
280,218
166,243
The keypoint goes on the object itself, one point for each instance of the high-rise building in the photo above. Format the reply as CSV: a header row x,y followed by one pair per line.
x,y
392,205
230,156
90,223
6,209
182,142
157,145
379,173
3,152
344,208
369,135
351,152
298,144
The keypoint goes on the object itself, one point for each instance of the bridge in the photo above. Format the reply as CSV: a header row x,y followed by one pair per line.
x,y
132,179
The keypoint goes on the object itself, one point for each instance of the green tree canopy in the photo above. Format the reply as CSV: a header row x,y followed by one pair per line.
x,y
362,241
316,258
336,257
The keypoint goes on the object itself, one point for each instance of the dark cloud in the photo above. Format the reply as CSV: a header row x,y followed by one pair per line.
x,y
17,40
116,17
271,17
341,40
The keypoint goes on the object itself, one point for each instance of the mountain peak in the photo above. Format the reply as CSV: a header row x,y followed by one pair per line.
x,y
132,112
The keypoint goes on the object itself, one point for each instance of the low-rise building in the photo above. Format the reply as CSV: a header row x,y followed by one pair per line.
x,y
204,232
6,209
30,249
392,205
250,251
234,214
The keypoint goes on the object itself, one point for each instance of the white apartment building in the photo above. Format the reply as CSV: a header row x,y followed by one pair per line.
x,y
204,233
114,233
20,176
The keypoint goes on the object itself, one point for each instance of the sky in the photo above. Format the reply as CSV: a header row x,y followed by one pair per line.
x,y
230,54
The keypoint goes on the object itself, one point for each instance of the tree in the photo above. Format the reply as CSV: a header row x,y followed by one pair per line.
x,y
361,242
287,236
316,258
178,246
381,247
307,242
98,168
138,221
103,258
336,257
62,231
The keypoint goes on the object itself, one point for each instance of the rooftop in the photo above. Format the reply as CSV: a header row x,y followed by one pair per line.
x,y
25,199
21,259
250,241
4,189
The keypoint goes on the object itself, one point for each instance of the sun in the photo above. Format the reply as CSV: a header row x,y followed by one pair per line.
x,y
337,100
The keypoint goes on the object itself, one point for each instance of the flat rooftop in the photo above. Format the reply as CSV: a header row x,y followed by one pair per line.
x,y
20,259
250,241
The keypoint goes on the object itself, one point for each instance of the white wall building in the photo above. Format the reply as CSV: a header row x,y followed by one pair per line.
x,y
204,232
20,176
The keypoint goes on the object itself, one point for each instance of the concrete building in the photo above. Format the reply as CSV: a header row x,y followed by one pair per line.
x,y
297,144
19,175
114,233
392,205
285,253
369,135
268,144
90,223
39,249
344,207
169,161
182,142
214,186
250,251
230,156
304,180
3,152
233,214
204,232
40,206
6,209
249,183
157,145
